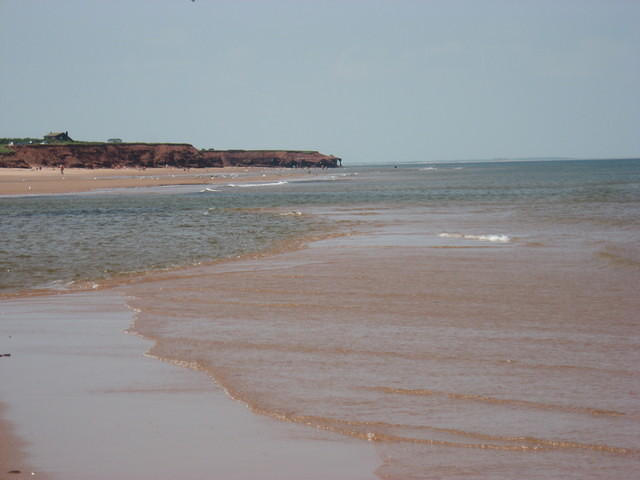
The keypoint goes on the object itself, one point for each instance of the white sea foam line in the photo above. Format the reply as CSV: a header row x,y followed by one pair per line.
x,y
281,182
314,179
499,238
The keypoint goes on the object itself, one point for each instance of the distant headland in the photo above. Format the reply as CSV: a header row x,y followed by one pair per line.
x,y
59,149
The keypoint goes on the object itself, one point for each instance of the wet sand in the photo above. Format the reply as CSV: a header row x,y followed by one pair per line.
x,y
86,403
13,460
18,181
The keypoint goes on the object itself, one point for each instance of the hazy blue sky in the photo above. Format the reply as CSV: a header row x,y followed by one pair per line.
x,y
367,80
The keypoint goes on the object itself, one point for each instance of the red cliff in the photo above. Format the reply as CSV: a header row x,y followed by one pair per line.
x,y
272,158
107,155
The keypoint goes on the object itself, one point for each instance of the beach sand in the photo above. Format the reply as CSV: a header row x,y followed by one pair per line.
x,y
19,181
13,460
86,403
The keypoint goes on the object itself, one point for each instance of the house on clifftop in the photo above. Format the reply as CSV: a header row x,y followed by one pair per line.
x,y
53,137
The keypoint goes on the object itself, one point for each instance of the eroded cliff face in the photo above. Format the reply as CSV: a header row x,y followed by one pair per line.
x,y
105,155
272,158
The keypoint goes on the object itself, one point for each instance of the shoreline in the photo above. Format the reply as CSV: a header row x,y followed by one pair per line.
x,y
27,182
278,446
257,315
125,279
81,392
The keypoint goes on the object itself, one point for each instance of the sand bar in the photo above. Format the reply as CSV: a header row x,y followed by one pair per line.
x,y
87,404
19,181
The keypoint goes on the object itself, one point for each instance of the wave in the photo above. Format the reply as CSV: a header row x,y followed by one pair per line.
x,y
373,431
498,401
270,184
383,432
494,237
438,168
617,259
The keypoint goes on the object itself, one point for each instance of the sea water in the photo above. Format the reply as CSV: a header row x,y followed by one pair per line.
x,y
54,240
58,239
470,320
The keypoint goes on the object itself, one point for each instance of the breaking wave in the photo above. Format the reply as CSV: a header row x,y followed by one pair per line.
x,y
270,184
497,238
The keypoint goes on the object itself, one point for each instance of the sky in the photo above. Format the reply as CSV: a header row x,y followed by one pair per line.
x,y
370,81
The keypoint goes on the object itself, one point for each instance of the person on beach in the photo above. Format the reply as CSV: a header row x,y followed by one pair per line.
x,y
61,169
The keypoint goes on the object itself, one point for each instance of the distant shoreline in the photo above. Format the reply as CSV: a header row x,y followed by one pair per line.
x,y
50,180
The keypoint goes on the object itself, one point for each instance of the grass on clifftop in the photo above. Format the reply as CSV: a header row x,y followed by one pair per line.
x,y
18,141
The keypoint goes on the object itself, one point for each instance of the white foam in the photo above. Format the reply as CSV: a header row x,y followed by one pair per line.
x,y
494,237
208,190
281,182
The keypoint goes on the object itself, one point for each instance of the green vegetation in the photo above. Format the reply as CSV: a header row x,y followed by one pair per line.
x,y
41,141
4,150
18,141
76,142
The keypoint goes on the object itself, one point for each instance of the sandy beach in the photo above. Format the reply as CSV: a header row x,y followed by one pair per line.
x,y
19,181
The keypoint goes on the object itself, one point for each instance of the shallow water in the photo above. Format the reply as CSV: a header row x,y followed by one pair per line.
x,y
498,360
88,405
473,321
58,241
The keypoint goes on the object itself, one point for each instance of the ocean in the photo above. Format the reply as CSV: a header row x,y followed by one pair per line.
x,y
469,320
